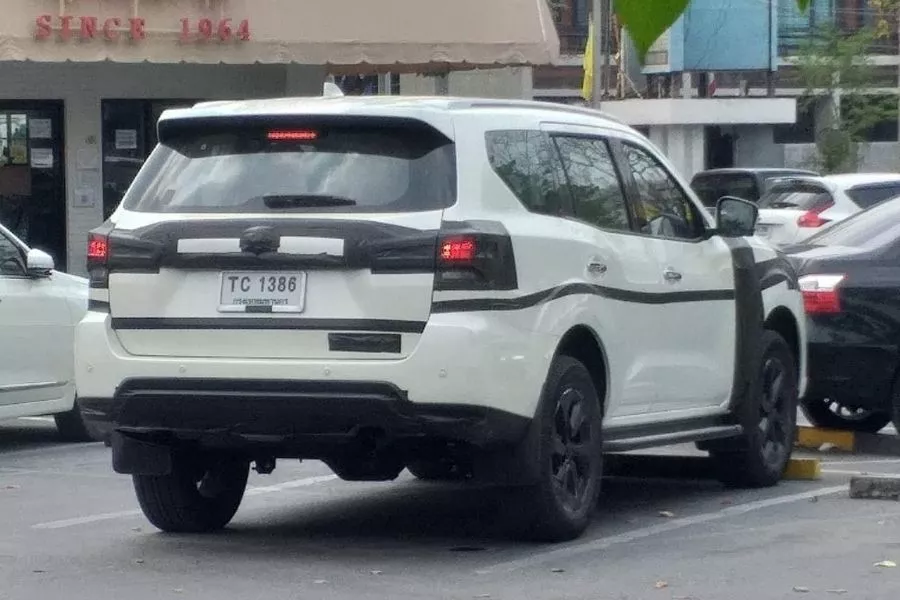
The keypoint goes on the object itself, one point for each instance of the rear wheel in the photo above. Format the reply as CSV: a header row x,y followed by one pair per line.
x,y
199,495
71,426
769,418
833,414
559,507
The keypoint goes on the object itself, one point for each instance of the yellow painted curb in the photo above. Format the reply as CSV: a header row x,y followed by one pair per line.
x,y
803,469
813,438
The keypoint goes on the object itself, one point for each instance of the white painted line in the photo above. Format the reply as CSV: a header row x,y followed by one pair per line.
x,y
872,461
255,491
849,472
572,549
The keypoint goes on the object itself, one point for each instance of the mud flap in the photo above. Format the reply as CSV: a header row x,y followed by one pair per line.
x,y
136,457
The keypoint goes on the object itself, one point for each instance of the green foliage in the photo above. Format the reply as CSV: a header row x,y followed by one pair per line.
x,y
832,62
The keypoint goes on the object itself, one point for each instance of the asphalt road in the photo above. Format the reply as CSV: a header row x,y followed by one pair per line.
x,y
70,528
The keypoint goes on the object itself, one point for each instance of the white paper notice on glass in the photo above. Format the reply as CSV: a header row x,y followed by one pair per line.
x,y
126,139
41,158
40,129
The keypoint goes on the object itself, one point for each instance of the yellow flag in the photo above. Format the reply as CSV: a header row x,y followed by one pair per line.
x,y
587,85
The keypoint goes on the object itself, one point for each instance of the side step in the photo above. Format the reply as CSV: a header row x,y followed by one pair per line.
x,y
636,441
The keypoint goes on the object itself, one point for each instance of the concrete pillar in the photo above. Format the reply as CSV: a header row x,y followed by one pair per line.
x,y
683,145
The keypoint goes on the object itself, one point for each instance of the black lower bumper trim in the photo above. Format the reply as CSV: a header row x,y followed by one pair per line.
x,y
300,414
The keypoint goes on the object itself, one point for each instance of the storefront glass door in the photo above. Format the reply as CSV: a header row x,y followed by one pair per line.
x,y
32,175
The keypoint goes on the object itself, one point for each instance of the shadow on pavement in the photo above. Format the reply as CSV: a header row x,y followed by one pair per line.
x,y
18,435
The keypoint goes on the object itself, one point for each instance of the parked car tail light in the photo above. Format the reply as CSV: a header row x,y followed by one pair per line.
x,y
821,294
475,260
812,218
97,258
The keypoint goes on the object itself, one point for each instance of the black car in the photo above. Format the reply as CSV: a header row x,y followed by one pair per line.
x,y
747,183
850,279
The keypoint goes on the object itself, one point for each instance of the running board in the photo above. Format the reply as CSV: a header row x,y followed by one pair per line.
x,y
640,442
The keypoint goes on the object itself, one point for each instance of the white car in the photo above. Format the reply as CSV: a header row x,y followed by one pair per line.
x,y
794,208
39,309
486,289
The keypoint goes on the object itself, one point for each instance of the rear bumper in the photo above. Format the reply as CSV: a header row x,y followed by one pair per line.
x,y
468,380
306,419
861,375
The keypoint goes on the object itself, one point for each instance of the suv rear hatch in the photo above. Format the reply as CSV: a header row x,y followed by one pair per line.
x,y
791,210
278,238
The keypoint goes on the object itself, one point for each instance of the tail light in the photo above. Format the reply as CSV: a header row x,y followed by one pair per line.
x,y
820,294
97,258
813,218
475,260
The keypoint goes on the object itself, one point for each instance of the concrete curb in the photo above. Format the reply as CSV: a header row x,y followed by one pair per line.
x,y
875,487
813,438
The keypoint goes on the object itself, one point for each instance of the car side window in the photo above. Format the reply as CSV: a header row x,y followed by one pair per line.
x,y
597,192
525,161
869,196
663,209
10,258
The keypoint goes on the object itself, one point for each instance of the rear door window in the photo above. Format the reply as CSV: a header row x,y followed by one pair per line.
x,y
310,168
870,195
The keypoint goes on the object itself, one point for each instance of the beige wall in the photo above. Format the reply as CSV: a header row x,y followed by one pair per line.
x,y
82,86
513,83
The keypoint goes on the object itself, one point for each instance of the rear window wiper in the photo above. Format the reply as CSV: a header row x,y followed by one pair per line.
x,y
305,200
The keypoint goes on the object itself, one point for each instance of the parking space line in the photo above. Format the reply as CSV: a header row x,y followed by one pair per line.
x,y
569,550
871,461
255,491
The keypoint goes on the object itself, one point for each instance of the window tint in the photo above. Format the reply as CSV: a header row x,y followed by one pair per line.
x,y
663,208
307,168
10,257
879,226
797,195
596,188
866,197
713,186
525,161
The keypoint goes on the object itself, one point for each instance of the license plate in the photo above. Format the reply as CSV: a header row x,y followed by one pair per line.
x,y
763,230
260,291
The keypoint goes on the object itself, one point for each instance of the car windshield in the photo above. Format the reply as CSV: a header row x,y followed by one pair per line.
x,y
796,195
872,228
710,187
320,169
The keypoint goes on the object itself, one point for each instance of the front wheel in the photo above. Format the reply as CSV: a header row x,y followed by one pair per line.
x,y
769,418
559,507
201,494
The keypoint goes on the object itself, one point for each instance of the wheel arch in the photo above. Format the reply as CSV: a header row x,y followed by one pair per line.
x,y
582,343
783,322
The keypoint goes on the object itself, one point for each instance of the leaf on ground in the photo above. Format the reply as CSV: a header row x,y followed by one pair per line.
x,y
837,591
376,572
889,564
139,561
178,590
12,487
483,596
646,21
557,570
801,589
661,585
320,581
667,514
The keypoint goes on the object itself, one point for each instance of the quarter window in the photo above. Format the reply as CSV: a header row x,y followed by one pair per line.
x,y
663,209
594,181
525,162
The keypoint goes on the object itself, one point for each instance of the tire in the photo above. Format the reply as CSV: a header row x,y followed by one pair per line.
x,y
180,502
759,457
570,454
71,426
821,413
438,470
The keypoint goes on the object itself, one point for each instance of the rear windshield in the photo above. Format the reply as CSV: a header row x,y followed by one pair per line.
x,y
712,187
873,228
308,169
799,196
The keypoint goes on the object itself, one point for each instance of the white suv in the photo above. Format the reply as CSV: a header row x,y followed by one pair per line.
x,y
472,289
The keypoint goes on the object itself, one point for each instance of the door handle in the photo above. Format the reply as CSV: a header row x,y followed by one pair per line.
x,y
671,275
595,267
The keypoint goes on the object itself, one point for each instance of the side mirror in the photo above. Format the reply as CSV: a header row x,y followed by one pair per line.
x,y
38,263
735,217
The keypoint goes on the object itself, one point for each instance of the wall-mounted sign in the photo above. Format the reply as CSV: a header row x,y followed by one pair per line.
x,y
112,29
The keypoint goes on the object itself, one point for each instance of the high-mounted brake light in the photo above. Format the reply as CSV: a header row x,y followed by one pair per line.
x,y
458,249
812,218
820,294
293,135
